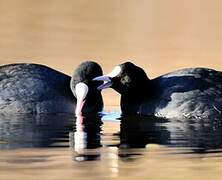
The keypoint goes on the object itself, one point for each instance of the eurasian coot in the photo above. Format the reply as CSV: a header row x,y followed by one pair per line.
x,y
190,93
34,88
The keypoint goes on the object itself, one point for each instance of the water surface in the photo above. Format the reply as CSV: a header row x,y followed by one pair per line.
x,y
61,146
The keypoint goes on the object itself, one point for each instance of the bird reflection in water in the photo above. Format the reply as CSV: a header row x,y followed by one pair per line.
x,y
85,137
138,131
135,132
194,136
34,131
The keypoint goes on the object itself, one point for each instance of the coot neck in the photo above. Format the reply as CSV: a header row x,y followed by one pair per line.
x,y
138,92
94,101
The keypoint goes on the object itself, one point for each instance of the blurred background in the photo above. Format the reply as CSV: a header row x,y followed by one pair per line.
x,y
160,36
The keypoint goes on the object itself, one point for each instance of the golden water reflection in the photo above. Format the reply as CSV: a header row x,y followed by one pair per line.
x,y
61,147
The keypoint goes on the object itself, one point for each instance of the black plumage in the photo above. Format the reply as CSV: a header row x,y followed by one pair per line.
x,y
190,92
34,88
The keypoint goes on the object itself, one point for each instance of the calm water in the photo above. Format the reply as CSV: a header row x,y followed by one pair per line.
x,y
61,146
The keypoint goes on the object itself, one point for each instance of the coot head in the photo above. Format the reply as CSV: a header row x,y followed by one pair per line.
x,y
125,78
89,98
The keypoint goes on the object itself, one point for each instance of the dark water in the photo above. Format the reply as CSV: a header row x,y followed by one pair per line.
x,y
65,130
108,146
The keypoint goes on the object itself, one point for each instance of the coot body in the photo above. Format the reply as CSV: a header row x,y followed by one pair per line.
x,y
189,93
34,88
